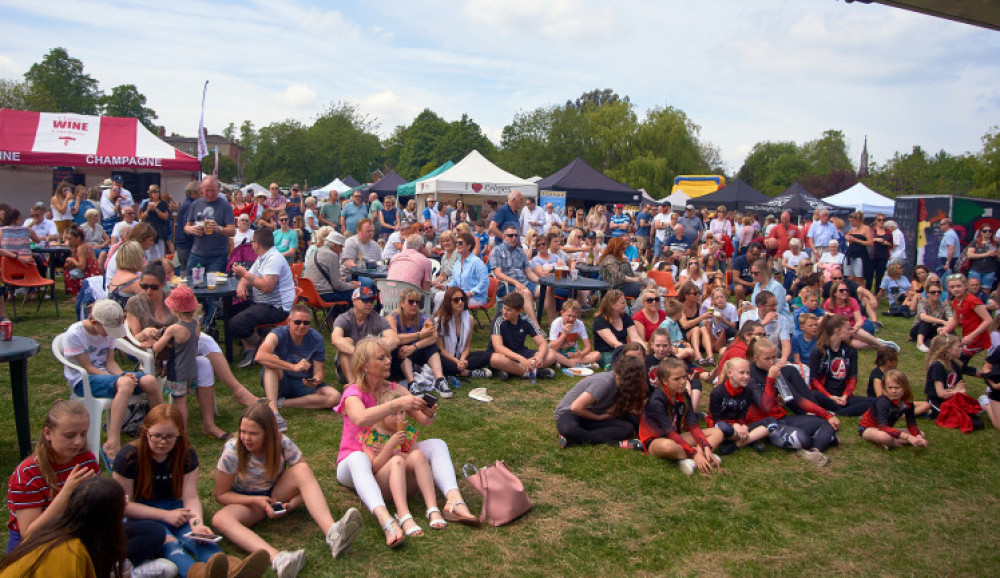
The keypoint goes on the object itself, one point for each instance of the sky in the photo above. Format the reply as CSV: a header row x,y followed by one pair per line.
x,y
745,72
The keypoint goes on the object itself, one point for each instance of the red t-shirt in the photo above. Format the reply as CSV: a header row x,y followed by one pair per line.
x,y
28,489
969,320
640,318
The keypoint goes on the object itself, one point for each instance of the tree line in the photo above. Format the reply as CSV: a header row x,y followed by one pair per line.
x,y
644,150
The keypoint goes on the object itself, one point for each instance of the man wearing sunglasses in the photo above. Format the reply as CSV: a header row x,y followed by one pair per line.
x,y
509,264
292,357
352,326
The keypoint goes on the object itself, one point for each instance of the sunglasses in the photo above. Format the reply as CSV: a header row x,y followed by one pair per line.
x,y
367,301
879,220
300,322
987,231
413,301
836,278
841,290
282,220
458,299
511,235
933,292
145,286
650,299
457,243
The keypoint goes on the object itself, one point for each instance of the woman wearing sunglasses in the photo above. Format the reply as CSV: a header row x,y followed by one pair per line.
x,y
454,337
417,344
841,303
932,314
982,254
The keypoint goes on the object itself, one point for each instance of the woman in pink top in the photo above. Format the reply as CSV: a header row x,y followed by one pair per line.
x,y
360,409
841,303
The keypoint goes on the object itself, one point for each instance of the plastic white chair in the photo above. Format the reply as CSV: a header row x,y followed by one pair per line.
x,y
435,268
390,291
97,406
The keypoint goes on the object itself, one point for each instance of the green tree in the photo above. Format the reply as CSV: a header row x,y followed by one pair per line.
x,y
524,143
419,142
462,137
126,101
227,167
988,171
63,78
342,141
758,167
281,153
24,96
827,153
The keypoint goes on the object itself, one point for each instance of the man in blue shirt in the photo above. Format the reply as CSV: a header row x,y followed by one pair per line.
x,y
743,282
693,225
619,221
642,221
293,357
677,242
509,215
509,264
948,250
211,224
820,234
352,213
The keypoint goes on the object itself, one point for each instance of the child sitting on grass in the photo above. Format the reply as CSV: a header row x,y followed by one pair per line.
x,y
566,331
895,401
886,359
682,349
727,409
396,463
803,341
944,379
669,427
181,339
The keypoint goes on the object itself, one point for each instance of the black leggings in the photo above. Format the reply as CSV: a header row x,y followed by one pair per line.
x,y
794,432
579,430
855,405
418,358
477,360
143,540
878,269
928,330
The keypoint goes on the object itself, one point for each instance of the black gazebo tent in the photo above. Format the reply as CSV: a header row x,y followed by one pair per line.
x,y
797,201
387,185
350,181
736,195
582,182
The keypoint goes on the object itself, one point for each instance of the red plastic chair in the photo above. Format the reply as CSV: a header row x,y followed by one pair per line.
x,y
664,279
491,301
14,273
297,271
316,303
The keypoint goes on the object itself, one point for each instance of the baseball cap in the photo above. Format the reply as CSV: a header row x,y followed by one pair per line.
x,y
363,293
619,206
294,187
38,205
689,207
107,184
117,178
110,315
335,238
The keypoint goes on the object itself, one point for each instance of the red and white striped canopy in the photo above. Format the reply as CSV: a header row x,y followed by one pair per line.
x,y
76,140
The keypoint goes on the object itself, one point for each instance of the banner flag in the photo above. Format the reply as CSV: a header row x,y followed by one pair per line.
x,y
202,145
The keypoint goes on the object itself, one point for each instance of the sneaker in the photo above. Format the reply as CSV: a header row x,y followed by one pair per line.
x,y
288,564
282,424
688,466
813,456
717,459
343,532
563,442
984,401
923,348
889,344
247,360
632,444
758,446
281,402
546,373
727,447
159,568
501,375
441,385
479,373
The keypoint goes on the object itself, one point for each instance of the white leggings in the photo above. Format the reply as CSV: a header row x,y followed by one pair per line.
x,y
355,471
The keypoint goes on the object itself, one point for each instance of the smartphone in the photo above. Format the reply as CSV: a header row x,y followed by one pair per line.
x,y
429,399
278,508
207,538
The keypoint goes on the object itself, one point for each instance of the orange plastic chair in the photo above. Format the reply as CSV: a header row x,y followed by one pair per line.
x,y
297,271
17,274
491,301
664,279
317,304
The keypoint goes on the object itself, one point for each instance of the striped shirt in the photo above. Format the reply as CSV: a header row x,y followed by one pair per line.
x,y
27,488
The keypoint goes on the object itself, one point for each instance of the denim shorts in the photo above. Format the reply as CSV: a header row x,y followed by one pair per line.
x,y
104,385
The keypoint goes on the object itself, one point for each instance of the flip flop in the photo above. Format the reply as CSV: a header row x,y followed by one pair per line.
x,y
388,526
222,437
450,515
479,394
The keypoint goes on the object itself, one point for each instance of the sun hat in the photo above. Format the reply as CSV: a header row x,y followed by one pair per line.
x,y
479,394
335,238
110,315
181,299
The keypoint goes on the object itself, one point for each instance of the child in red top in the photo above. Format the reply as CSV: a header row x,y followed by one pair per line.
x,y
971,315
896,401
40,487
669,428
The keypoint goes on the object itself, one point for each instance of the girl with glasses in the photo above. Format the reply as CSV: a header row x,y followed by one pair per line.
x,y
160,472
454,337
982,254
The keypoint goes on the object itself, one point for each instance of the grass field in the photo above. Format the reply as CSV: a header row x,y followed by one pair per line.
x,y
606,511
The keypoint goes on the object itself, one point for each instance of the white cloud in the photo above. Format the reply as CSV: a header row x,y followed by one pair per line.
x,y
297,96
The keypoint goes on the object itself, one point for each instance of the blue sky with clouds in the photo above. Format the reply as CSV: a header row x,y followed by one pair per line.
x,y
744,71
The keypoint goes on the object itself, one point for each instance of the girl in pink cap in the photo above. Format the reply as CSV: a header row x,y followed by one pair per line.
x,y
182,339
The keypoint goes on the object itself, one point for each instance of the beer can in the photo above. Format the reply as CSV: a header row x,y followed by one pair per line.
x,y
6,330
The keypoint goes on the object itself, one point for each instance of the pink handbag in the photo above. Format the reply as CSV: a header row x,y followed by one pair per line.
x,y
504,498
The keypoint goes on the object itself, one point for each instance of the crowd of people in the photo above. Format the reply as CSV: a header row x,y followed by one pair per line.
x,y
768,315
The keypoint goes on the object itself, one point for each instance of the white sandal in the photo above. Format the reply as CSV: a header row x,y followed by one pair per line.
x,y
387,526
415,529
438,524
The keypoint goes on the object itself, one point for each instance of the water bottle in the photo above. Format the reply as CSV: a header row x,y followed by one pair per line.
x,y
532,374
784,389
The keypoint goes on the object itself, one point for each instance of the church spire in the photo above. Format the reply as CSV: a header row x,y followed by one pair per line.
x,y
863,169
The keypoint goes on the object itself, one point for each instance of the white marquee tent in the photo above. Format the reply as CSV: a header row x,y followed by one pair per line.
x,y
471,178
861,198
334,185
677,199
